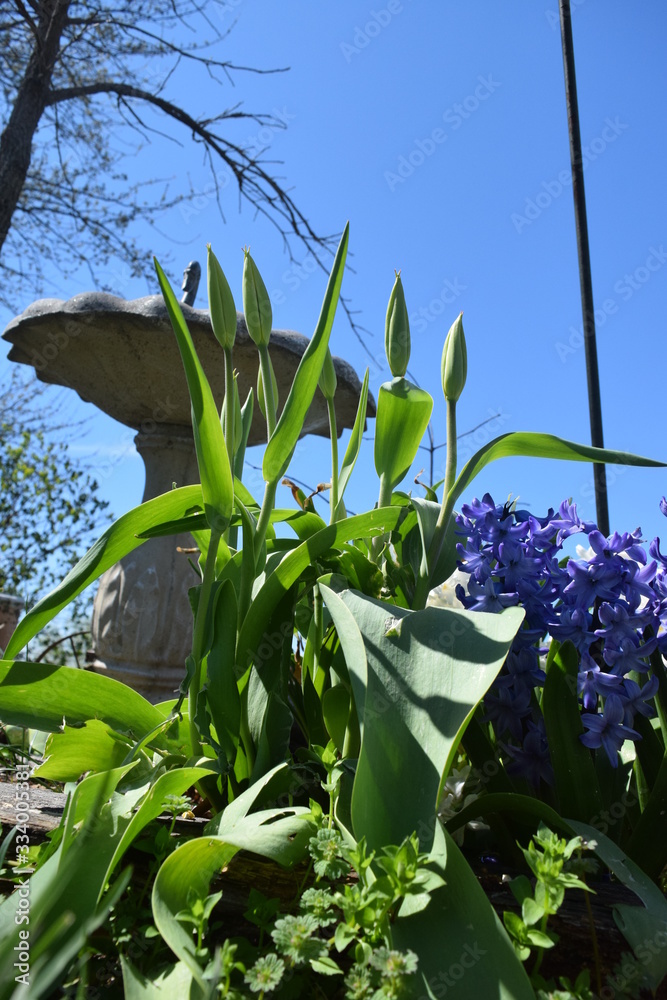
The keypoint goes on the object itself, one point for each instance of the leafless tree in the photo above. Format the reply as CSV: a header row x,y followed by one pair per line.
x,y
82,84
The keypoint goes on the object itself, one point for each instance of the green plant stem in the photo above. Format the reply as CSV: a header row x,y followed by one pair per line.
x,y
333,430
384,500
267,385
540,951
452,456
198,638
155,731
318,628
229,405
423,583
229,414
446,508
264,517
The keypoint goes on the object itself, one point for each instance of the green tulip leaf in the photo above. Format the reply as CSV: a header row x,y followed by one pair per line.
x,y
278,834
460,927
46,697
118,540
292,566
577,786
533,445
644,927
290,425
403,413
416,679
214,463
422,676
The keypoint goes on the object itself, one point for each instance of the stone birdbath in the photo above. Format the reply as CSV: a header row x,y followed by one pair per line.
x,y
122,356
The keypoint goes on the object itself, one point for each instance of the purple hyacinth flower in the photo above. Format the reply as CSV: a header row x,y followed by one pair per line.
x,y
485,598
628,543
523,667
568,523
572,624
475,559
629,656
505,709
516,562
608,730
663,506
617,623
478,508
637,582
591,580
636,698
655,553
532,760
592,682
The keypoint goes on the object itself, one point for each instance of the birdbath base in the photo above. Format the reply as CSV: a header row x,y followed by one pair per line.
x,y
123,357
142,621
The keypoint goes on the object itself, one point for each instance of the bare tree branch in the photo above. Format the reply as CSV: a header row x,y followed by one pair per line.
x,y
65,199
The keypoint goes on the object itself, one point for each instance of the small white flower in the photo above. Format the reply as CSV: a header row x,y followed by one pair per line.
x,y
444,596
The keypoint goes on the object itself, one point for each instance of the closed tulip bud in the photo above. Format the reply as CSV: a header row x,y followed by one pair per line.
x,y
260,391
454,361
256,302
397,331
220,303
328,380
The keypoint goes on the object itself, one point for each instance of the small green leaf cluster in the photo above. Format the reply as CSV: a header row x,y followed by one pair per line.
x,y
198,912
550,859
579,990
339,928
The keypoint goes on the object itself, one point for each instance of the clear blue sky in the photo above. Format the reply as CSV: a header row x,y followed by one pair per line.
x,y
439,130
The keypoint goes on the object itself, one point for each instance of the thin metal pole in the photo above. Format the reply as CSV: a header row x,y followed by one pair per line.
x,y
588,312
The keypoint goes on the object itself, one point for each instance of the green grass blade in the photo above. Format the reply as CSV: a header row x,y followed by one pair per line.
x,y
212,457
284,438
120,538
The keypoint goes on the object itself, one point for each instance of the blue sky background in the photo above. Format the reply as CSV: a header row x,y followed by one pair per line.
x,y
439,130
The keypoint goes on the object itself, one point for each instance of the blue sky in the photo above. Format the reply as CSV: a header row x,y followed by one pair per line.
x,y
439,130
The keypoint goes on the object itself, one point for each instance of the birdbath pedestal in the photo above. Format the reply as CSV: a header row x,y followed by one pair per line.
x,y
123,357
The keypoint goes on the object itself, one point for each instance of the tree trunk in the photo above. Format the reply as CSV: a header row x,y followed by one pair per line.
x,y
31,99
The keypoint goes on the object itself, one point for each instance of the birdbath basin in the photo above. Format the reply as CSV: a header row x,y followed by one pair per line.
x,y
123,357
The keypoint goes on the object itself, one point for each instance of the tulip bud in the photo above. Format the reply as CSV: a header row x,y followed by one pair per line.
x,y
328,380
454,361
220,303
256,302
260,391
397,331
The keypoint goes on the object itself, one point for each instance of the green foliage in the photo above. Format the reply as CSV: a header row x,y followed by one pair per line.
x,y
50,508
550,859
320,714
213,458
545,856
403,413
